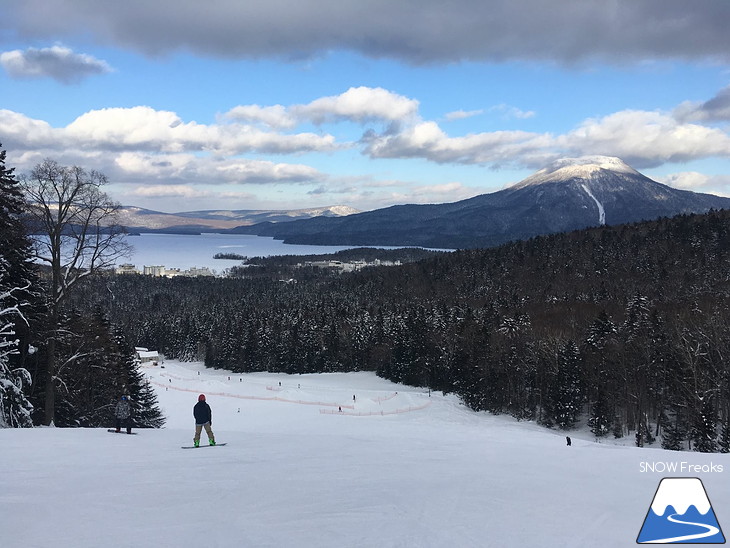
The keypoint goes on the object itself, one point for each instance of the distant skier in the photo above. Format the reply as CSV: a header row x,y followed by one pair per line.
x,y
123,414
567,439
203,419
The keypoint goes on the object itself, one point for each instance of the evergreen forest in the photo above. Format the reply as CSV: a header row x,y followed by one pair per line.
x,y
621,328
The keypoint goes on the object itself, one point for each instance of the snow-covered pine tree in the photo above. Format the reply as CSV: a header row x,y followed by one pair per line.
x,y
568,400
600,417
146,412
16,279
724,441
704,428
15,409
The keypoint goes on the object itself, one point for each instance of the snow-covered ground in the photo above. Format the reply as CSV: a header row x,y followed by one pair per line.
x,y
394,468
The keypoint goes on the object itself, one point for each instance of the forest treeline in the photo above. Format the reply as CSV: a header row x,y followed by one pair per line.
x,y
623,327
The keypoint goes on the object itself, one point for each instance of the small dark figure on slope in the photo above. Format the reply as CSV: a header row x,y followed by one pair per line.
x,y
123,415
203,419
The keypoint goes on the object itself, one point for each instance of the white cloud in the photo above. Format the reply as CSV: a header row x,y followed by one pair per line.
x,y
57,62
508,111
131,167
698,182
260,171
144,145
428,140
359,104
114,129
275,116
462,114
646,139
169,191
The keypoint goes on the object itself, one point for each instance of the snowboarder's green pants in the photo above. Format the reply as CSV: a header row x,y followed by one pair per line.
x,y
199,429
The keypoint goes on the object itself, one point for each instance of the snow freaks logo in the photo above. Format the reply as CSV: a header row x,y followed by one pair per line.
x,y
680,513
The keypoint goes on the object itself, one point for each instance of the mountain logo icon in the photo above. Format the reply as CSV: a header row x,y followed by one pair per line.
x,y
680,513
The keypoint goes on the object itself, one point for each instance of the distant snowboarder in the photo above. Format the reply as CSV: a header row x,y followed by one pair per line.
x,y
123,415
203,419
567,439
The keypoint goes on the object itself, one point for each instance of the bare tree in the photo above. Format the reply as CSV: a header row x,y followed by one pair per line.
x,y
75,232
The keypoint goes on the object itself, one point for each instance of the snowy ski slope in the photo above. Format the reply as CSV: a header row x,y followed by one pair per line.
x,y
393,468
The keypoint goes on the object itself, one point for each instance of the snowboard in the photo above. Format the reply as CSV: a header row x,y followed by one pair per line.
x,y
122,432
201,445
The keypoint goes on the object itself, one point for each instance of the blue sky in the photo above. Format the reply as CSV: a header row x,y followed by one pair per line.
x,y
242,105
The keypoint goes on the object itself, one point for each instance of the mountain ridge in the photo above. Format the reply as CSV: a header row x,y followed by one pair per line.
x,y
570,194
137,219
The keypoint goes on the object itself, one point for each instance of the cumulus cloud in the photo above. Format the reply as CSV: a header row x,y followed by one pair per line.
x,y
642,138
508,111
169,191
462,114
141,144
646,139
133,167
276,116
417,31
698,182
357,104
57,62
428,140
117,129
715,110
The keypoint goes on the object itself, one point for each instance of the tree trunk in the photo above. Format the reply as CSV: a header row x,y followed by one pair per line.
x,y
50,377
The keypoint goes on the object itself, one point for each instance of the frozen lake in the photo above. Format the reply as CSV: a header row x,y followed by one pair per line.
x,y
185,251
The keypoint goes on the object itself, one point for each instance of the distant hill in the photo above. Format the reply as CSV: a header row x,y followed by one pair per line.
x,y
137,219
569,194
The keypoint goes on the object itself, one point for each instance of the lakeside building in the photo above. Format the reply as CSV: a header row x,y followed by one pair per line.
x,y
145,355
348,266
154,270
161,270
127,269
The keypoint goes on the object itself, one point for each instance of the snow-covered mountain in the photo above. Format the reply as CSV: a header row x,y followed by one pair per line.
x,y
569,194
138,219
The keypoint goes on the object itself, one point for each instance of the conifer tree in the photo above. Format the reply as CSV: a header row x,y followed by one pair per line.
x,y
568,399
15,409
17,278
704,428
600,417
724,440
145,408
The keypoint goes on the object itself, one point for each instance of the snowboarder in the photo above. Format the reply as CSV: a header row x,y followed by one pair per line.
x,y
203,419
123,415
567,440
